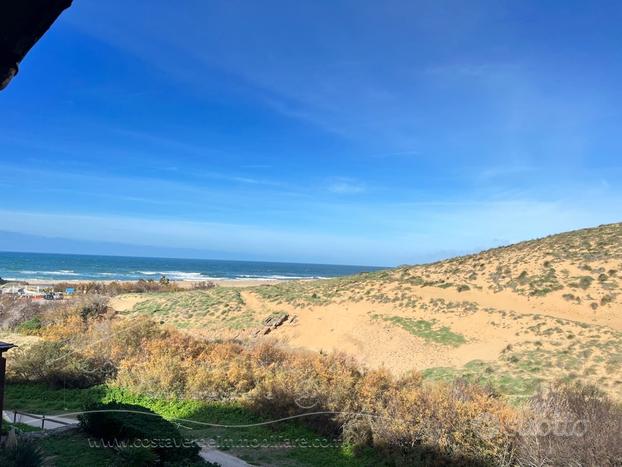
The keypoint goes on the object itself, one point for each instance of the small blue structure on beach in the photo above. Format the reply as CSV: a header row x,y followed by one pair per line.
x,y
69,290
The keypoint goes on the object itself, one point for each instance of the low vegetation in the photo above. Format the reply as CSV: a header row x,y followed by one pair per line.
x,y
405,420
547,308
428,330
128,423
141,286
218,307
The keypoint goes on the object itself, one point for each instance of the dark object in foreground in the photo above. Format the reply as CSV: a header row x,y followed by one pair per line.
x,y
22,23
4,346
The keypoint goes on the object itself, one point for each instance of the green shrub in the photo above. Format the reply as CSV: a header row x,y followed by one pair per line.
x,y
115,422
585,282
136,457
427,330
31,326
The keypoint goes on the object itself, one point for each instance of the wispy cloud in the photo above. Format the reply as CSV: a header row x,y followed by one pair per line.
x,y
345,186
500,171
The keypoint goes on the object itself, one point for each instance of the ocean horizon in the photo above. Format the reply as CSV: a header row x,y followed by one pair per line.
x,y
58,267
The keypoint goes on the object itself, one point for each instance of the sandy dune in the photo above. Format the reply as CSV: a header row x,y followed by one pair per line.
x,y
537,310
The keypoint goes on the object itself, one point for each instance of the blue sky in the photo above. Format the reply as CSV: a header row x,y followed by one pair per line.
x,y
356,132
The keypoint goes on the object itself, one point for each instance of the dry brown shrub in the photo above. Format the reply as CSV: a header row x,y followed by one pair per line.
x,y
70,319
120,287
221,371
15,310
157,372
408,420
411,421
571,425
460,422
127,337
57,365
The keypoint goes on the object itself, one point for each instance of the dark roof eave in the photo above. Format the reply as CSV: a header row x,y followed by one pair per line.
x,y
22,24
4,346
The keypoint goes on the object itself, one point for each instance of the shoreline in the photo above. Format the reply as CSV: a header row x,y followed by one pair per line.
x,y
182,283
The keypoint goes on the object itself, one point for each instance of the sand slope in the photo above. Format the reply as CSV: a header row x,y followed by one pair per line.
x,y
512,316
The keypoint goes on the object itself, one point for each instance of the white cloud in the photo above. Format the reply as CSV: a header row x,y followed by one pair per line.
x,y
345,186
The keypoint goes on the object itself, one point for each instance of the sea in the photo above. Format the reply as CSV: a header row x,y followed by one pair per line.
x,y
44,266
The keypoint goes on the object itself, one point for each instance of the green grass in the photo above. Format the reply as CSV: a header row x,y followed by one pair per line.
x,y
301,294
72,449
322,292
216,300
427,330
39,399
198,420
515,387
219,306
236,414
6,426
30,326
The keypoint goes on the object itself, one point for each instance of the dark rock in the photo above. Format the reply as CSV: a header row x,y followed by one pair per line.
x,y
275,321
271,323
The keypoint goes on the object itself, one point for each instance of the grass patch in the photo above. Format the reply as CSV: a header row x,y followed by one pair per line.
x,y
232,413
19,427
29,327
219,307
427,330
39,399
71,449
488,374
